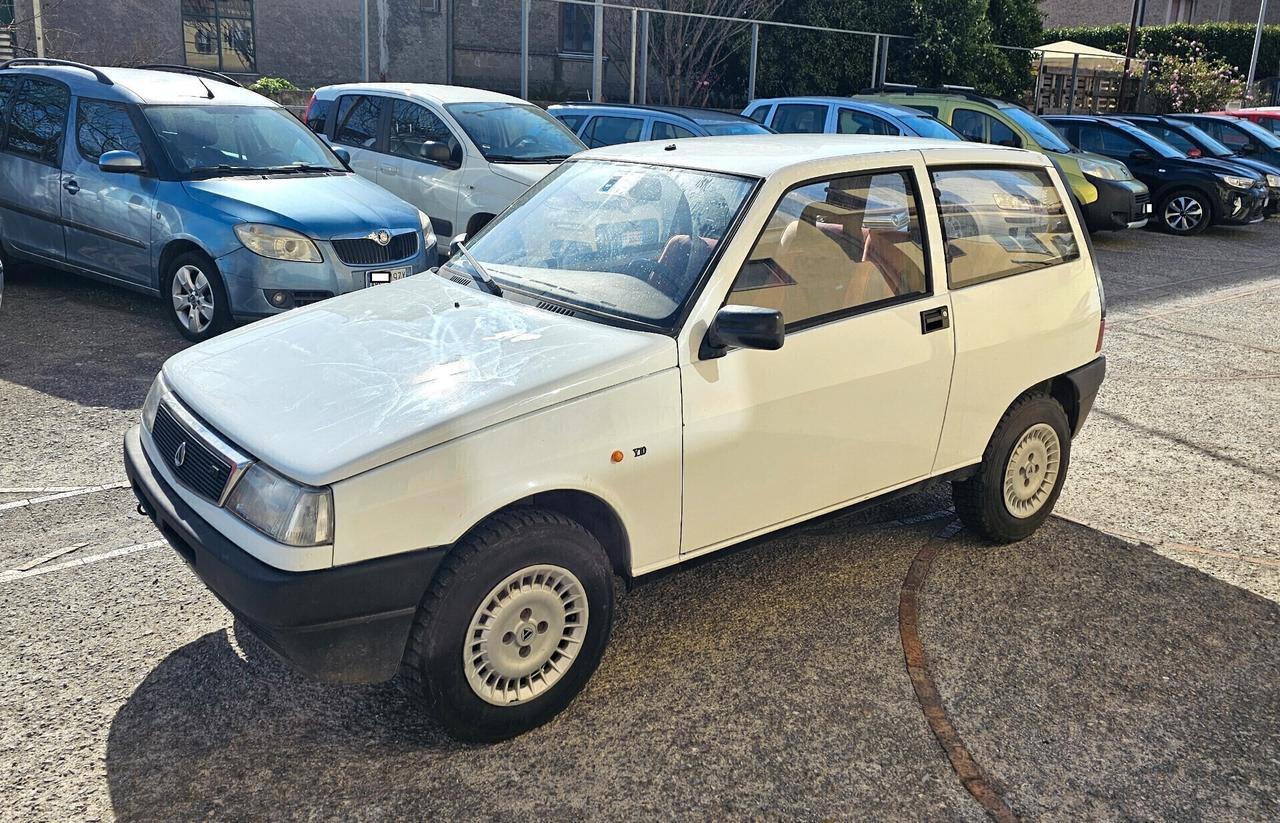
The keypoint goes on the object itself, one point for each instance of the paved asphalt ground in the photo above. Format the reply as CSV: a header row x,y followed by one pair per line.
x,y
1121,664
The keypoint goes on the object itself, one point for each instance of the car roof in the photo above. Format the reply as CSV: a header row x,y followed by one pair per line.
x,y
686,112
146,86
764,155
893,108
432,92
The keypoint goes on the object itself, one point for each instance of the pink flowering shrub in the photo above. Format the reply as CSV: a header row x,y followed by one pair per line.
x,y
1191,79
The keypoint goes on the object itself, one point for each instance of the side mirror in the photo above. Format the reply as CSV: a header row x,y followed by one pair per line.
x,y
120,162
747,327
460,237
1140,156
344,157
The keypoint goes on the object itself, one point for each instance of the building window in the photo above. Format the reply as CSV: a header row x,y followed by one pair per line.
x,y
6,12
576,24
218,34
1181,11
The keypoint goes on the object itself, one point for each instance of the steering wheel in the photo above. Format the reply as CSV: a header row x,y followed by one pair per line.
x,y
656,274
525,142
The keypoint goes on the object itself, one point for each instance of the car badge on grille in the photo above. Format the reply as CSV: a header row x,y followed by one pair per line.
x,y
180,456
382,237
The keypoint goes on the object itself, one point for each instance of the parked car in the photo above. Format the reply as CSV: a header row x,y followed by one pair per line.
x,y
459,154
1193,141
1241,136
1107,192
648,363
1268,117
842,115
608,124
1191,194
179,183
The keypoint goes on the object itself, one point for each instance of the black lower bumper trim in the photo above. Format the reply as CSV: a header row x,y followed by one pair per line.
x,y
346,624
1117,206
1086,380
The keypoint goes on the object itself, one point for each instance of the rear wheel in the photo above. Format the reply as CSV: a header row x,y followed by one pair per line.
x,y
1185,212
513,625
195,298
1021,474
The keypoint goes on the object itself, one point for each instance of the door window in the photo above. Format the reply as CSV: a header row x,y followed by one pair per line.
x,y
414,129
836,245
102,127
1173,137
859,122
1001,221
983,128
358,121
610,131
1235,138
1108,141
38,120
800,118
669,131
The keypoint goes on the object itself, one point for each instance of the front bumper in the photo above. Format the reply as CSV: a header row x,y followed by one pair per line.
x,y
1238,207
248,278
347,624
1120,204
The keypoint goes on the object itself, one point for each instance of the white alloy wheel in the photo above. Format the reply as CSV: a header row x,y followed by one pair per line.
x,y
525,635
1183,213
1032,471
193,299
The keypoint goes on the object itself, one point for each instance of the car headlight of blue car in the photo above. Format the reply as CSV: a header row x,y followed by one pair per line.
x,y
277,243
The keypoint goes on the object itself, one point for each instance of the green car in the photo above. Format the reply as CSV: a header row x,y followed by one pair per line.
x,y
1107,192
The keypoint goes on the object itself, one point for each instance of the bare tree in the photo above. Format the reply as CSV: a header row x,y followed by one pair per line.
x,y
687,54
69,43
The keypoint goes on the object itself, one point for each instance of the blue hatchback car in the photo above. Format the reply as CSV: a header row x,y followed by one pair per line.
x,y
180,183
840,115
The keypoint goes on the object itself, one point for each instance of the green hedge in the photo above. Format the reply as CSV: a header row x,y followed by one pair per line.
x,y
1234,41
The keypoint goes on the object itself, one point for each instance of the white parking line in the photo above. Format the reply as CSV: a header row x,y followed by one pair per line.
x,y
10,576
31,501
39,489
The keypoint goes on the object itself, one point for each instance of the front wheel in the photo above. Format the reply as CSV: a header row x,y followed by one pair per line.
x,y
194,296
513,625
1021,474
1185,212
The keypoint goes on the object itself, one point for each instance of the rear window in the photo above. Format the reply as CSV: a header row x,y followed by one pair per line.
x,y
1001,221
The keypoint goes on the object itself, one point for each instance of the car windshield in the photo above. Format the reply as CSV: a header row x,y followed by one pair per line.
x,y
624,240
1263,136
515,133
932,127
1211,146
1046,135
724,128
226,140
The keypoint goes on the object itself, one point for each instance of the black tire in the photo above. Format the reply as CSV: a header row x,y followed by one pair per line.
x,y
980,499
503,545
1180,202
220,319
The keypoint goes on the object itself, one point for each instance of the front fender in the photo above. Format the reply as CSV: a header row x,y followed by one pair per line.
x,y
433,498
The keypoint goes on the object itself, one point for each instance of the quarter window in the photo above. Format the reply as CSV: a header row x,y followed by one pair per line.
x,y
7,87
38,120
218,34
669,131
358,120
1001,221
609,131
102,127
414,129
800,118
859,122
835,246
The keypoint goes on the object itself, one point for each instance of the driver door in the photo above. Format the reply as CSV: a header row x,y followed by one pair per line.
x,y
853,402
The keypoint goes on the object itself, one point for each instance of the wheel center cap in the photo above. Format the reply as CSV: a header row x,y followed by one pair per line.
x,y
525,633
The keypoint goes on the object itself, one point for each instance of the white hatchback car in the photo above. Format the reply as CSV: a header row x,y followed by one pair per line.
x,y
459,154
662,350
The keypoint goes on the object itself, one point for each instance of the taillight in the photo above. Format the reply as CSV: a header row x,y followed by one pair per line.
x,y
306,114
1102,328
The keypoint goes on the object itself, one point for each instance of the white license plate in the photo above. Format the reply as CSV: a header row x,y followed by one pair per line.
x,y
1147,208
388,275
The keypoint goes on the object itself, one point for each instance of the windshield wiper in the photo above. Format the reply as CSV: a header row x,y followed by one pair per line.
x,y
511,158
228,169
480,276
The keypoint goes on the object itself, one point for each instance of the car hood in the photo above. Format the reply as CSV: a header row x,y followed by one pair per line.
x,y
526,174
320,207
1211,164
1259,166
355,382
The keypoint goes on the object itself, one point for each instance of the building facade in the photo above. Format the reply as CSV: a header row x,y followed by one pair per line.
x,y
1154,12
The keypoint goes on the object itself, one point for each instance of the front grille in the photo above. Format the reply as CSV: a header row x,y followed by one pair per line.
x,y
1140,202
365,252
202,470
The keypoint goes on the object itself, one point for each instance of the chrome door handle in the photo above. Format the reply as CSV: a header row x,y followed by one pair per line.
x,y
71,186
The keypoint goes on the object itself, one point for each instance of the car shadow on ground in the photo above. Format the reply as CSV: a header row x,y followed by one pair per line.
x,y
770,682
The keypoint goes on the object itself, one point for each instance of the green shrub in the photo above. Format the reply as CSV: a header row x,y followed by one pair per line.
x,y
272,85
1233,42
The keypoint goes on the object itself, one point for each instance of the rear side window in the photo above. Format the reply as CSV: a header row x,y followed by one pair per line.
x,y
1001,221
669,131
358,119
800,118
859,122
102,127
610,131
835,246
414,128
7,86
38,121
